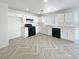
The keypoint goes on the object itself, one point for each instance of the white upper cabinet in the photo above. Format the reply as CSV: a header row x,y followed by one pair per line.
x,y
77,19
65,19
69,19
49,20
62,19
59,19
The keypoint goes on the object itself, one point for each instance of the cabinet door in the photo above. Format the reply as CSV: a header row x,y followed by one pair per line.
x,y
26,32
68,34
37,30
49,20
49,31
71,34
43,30
59,19
77,34
64,34
69,18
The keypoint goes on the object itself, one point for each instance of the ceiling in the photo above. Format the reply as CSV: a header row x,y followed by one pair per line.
x,y
36,5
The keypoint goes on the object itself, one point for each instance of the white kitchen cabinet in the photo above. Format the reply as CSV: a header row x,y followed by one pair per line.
x,y
49,30
68,34
25,32
64,33
43,30
49,20
59,19
77,34
69,18
71,34
65,19
46,30
37,29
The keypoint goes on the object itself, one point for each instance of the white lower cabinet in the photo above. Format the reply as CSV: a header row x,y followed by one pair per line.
x,y
46,30
49,31
77,34
71,34
37,29
26,32
43,30
64,34
68,34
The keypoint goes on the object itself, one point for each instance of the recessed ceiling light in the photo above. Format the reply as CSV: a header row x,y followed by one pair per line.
x,y
27,9
45,1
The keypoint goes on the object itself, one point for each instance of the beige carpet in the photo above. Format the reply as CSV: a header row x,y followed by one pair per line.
x,y
40,47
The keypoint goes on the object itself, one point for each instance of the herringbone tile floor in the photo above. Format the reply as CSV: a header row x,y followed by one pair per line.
x,y
40,47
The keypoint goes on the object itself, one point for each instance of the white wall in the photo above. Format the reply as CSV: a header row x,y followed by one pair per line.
x,y
16,22
3,25
14,27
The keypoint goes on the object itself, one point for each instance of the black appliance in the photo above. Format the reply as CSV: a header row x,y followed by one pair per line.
x,y
56,32
31,29
28,25
29,19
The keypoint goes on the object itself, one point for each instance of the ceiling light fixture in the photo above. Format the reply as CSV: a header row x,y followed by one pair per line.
x,y
45,1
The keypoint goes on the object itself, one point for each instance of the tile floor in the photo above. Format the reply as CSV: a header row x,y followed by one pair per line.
x,y
40,47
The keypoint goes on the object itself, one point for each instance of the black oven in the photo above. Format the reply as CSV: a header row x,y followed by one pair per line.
x,y
31,29
56,32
